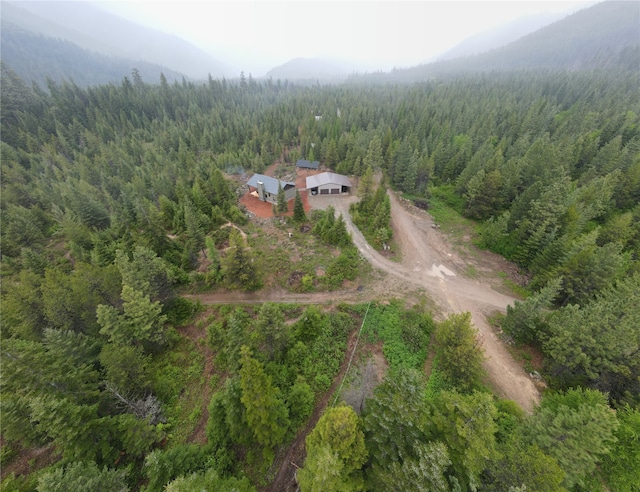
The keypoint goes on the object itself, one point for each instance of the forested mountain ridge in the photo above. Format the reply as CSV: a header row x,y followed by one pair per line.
x,y
112,194
604,36
36,59
500,36
95,30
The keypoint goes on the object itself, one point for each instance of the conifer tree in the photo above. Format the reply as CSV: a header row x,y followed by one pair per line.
x,y
282,205
298,209
457,342
267,415
238,269
335,453
141,323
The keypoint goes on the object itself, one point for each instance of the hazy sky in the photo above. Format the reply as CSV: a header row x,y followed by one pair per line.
x,y
381,34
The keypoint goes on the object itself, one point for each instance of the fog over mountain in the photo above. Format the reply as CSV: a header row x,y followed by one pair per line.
x,y
95,29
500,36
604,36
315,68
92,45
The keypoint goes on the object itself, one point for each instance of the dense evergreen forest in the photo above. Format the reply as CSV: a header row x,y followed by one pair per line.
x,y
113,194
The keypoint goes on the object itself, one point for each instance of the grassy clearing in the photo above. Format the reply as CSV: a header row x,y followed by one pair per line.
x,y
301,262
517,289
446,209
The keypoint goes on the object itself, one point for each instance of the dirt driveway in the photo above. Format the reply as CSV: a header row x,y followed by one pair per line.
x,y
430,265
429,262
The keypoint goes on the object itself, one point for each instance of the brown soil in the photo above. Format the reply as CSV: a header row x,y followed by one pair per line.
x,y
30,460
264,210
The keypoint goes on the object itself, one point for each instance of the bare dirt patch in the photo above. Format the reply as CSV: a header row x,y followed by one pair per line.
x,y
30,460
264,210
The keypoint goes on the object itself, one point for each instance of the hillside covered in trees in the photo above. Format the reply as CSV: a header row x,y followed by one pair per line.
x,y
603,36
112,195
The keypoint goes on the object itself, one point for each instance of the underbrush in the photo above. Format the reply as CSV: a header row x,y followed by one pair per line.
x,y
404,333
178,381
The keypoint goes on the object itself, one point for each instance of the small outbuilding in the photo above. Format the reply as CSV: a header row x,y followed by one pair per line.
x,y
265,188
304,164
328,184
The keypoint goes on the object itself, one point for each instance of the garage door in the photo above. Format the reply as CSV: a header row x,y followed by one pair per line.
x,y
335,191
324,192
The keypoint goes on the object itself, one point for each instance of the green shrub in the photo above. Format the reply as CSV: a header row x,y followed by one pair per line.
x,y
405,334
344,267
161,467
180,310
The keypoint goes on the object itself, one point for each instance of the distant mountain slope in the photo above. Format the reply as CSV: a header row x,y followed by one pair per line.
x,y
311,68
34,58
604,36
591,38
95,29
500,36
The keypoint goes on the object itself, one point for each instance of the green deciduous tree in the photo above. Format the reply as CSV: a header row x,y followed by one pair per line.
x,y
620,466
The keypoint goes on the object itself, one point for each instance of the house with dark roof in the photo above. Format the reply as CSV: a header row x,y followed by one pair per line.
x,y
265,188
304,164
328,184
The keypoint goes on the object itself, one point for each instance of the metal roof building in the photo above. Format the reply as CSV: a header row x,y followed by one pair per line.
x,y
328,184
302,163
266,188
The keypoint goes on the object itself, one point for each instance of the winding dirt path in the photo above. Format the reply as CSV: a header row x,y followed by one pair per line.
x,y
428,262
429,265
